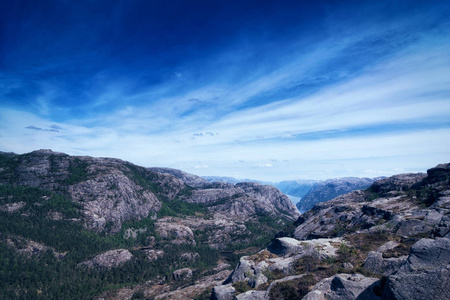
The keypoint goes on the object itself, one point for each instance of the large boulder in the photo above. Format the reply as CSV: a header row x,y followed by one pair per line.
x,y
182,274
319,247
250,271
345,287
377,261
382,266
176,233
424,275
223,292
252,295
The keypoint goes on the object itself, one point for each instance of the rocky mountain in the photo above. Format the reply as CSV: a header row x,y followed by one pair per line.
x,y
326,190
232,180
102,228
106,217
389,241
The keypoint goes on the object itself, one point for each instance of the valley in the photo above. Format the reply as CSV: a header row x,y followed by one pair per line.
x,y
103,228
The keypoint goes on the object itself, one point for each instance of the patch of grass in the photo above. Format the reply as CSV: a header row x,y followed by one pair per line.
x,y
262,255
366,242
205,295
294,289
241,286
178,208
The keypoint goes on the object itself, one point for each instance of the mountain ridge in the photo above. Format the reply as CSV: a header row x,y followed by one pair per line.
x,y
102,228
90,210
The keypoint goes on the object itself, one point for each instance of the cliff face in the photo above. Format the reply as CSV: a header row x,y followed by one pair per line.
x,y
111,191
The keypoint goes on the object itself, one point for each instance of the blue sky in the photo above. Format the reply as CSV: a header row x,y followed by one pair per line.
x,y
267,90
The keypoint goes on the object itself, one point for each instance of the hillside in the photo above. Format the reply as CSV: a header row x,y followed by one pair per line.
x,y
102,228
390,241
96,224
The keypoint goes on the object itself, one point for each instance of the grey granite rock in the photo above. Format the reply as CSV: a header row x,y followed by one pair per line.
x,y
257,280
424,275
382,266
182,274
223,292
252,295
109,259
344,287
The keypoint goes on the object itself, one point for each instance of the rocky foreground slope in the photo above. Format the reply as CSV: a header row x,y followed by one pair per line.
x,y
390,241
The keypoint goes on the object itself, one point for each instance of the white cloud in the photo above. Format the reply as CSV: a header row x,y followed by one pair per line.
x,y
409,90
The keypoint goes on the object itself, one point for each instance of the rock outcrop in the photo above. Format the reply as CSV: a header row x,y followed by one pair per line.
x,y
379,262
345,287
378,231
109,259
425,274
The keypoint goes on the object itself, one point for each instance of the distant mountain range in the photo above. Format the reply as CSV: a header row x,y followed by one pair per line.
x,y
306,193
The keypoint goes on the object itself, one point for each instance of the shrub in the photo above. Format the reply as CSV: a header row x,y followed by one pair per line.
x,y
241,286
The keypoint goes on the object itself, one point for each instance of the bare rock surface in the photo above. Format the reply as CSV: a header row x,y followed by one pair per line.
x,y
182,274
252,295
189,179
109,259
12,207
223,292
396,204
192,291
176,233
344,286
424,275
31,248
377,263
397,210
319,247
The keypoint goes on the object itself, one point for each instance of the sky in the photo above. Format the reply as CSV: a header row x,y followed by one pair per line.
x,y
267,90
